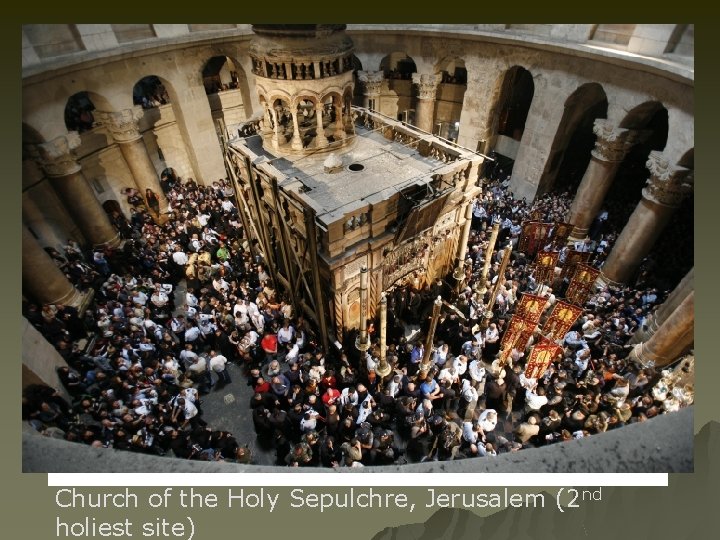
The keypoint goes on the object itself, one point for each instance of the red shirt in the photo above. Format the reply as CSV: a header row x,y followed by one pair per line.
x,y
331,396
262,388
269,343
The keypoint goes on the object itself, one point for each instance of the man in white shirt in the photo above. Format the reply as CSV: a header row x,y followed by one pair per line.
x,y
190,299
218,363
227,205
179,257
192,332
188,356
200,373
139,297
535,399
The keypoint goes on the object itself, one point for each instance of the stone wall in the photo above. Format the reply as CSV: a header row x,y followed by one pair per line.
x,y
557,73
555,55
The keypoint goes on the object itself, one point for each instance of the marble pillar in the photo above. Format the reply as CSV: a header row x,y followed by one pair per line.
x,y
65,173
674,337
42,280
123,125
296,143
427,89
611,147
665,189
339,131
276,128
459,273
320,139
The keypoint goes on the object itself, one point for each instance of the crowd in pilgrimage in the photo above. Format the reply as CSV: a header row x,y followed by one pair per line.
x,y
151,354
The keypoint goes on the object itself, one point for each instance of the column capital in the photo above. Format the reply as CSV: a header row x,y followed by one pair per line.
x,y
123,125
668,184
613,142
427,84
371,81
57,157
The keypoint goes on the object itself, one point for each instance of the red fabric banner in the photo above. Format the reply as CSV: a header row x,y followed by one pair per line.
x,y
573,258
517,333
534,236
563,316
542,355
581,284
530,307
545,264
561,233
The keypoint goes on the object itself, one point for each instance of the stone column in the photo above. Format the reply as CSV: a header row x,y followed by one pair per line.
x,y
425,111
611,147
61,167
296,142
371,82
663,311
482,282
383,368
320,139
339,132
675,336
348,125
459,273
268,121
426,361
276,129
123,126
41,278
362,344
667,186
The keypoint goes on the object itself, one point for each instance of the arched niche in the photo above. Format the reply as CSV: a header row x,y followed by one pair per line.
x,y
574,139
450,97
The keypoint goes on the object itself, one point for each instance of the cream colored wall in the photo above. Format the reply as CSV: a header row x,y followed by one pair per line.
x,y
557,72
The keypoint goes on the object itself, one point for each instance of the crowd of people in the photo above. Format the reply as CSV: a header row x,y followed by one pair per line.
x,y
152,353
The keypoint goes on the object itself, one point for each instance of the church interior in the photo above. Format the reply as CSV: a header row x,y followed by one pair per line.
x,y
331,245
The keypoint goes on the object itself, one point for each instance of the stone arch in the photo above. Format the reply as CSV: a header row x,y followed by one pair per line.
x,y
331,100
357,90
227,88
574,139
150,92
450,96
518,90
453,70
650,119
281,112
688,159
398,65
79,107
502,147
171,148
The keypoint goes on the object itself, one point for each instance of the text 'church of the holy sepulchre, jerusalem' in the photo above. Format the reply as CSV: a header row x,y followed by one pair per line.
x,y
338,245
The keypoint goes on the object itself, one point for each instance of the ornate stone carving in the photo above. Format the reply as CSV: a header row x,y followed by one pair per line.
x,y
668,184
352,269
612,142
427,84
371,81
57,157
123,125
